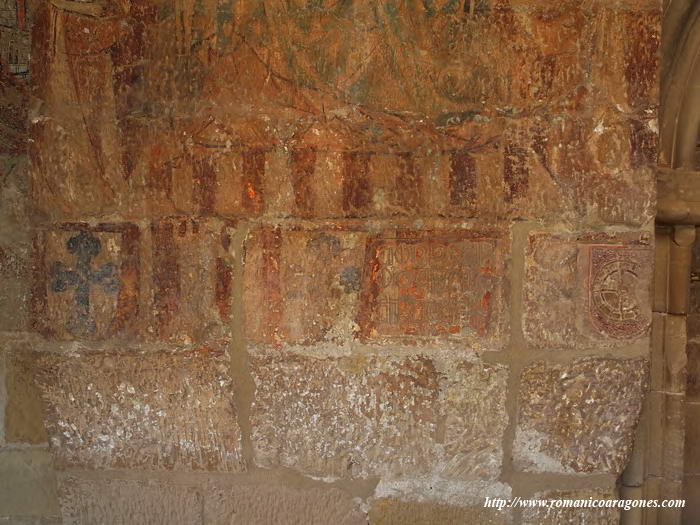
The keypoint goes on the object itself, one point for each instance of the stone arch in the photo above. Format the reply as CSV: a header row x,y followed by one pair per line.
x,y
680,83
664,462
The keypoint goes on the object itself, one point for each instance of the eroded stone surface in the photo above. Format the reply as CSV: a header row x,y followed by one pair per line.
x,y
371,416
436,489
277,505
87,502
574,516
588,290
398,512
579,418
163,410
15,239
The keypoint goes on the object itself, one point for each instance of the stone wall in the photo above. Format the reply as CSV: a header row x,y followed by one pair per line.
x,y
691,401
317,262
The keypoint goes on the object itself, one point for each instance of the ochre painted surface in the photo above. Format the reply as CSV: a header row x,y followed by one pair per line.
x,y
326,261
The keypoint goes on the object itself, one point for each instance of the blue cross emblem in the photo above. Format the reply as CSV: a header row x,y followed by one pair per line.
x,y
85,246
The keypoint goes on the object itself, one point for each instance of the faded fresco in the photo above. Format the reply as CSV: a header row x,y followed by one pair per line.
x,y
412,108
349,261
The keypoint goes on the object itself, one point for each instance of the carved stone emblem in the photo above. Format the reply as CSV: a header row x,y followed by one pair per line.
x,y
618,298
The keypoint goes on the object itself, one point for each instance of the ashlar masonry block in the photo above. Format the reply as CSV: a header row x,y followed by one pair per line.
x,y
152,411
579,418
357,417
588,290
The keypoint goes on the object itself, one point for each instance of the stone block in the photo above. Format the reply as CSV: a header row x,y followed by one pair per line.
x,y
27,483
116,501
120,280
3,395
657,365
15,245
86,280
189,281
302,287
691,463
434,284
388,511
271,504
662,272
358,417
574,515
693,323
652,490
671,490
24,421
691,494
674,422
675,355
153,411
579,418
15,276
655,408
15,238
693,386
441,491
618,291
589,291
666,437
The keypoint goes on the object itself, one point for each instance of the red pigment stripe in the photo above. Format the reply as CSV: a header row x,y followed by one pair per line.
x,y
408,184
21,14
224,276
166,275
462,179
128,301
160,171
370,286
224,279
253,173
356,186
303,166
204,189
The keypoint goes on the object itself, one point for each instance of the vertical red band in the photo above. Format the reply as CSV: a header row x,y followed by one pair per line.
x,y
166,275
